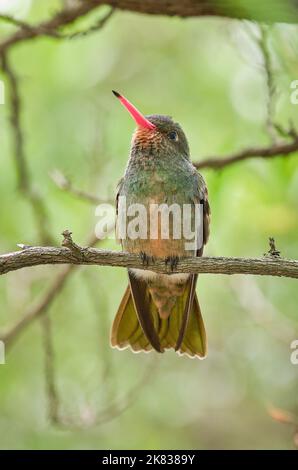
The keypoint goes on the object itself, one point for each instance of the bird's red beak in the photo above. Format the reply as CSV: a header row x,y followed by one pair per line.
x,y
138,117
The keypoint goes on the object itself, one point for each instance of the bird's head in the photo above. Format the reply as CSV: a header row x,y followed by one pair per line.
x,y
156,133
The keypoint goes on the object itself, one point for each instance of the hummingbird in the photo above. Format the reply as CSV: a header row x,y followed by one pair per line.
x,y
160,311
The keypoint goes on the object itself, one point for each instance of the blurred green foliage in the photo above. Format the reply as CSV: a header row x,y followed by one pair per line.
x,y
207,74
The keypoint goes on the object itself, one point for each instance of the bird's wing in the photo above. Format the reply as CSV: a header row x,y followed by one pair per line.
x,y
201,198
119,187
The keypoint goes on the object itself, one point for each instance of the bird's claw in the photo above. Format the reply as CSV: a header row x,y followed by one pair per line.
x,y
146,260
172,261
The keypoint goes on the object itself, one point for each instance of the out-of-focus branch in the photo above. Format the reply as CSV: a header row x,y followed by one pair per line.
x,y
117,407
44,30
263,43
64,183
39,308
284,148
269,11
40,213
18,140
131,396
50,382
37,203
39,209
99,24
271,151
15,22
253,301
23,175
52,26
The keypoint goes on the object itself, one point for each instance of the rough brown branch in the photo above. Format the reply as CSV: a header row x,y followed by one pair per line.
x,y
71,253
51,27
269,11
276,150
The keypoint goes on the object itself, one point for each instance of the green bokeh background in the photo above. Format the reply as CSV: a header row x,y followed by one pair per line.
x,y
208,74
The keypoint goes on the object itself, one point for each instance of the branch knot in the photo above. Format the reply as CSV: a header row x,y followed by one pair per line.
x,y
76,250
273,252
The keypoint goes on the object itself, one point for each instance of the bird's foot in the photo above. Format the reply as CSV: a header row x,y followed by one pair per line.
x,y
146,260
172,261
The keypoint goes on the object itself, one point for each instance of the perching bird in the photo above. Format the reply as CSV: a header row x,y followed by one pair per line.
x,y
160,311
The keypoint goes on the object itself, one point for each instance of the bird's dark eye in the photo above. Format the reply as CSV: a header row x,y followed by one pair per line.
x,y
173,135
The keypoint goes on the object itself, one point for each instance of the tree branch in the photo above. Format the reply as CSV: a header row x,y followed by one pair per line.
x,y
71,253
19,154
276,150
64,183
50,373
23,175
263,43
269,11
52,26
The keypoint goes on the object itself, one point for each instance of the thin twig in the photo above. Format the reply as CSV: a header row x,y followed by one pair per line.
x,y
15,22
51,388
99,24
20,160
272,151
182,8
263,312
277,148
48,29
39,308
39,210
40,213
270,86
64,183
51,27
23,175
117,408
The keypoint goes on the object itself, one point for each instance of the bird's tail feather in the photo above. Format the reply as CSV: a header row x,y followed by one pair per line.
x,y
127,331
